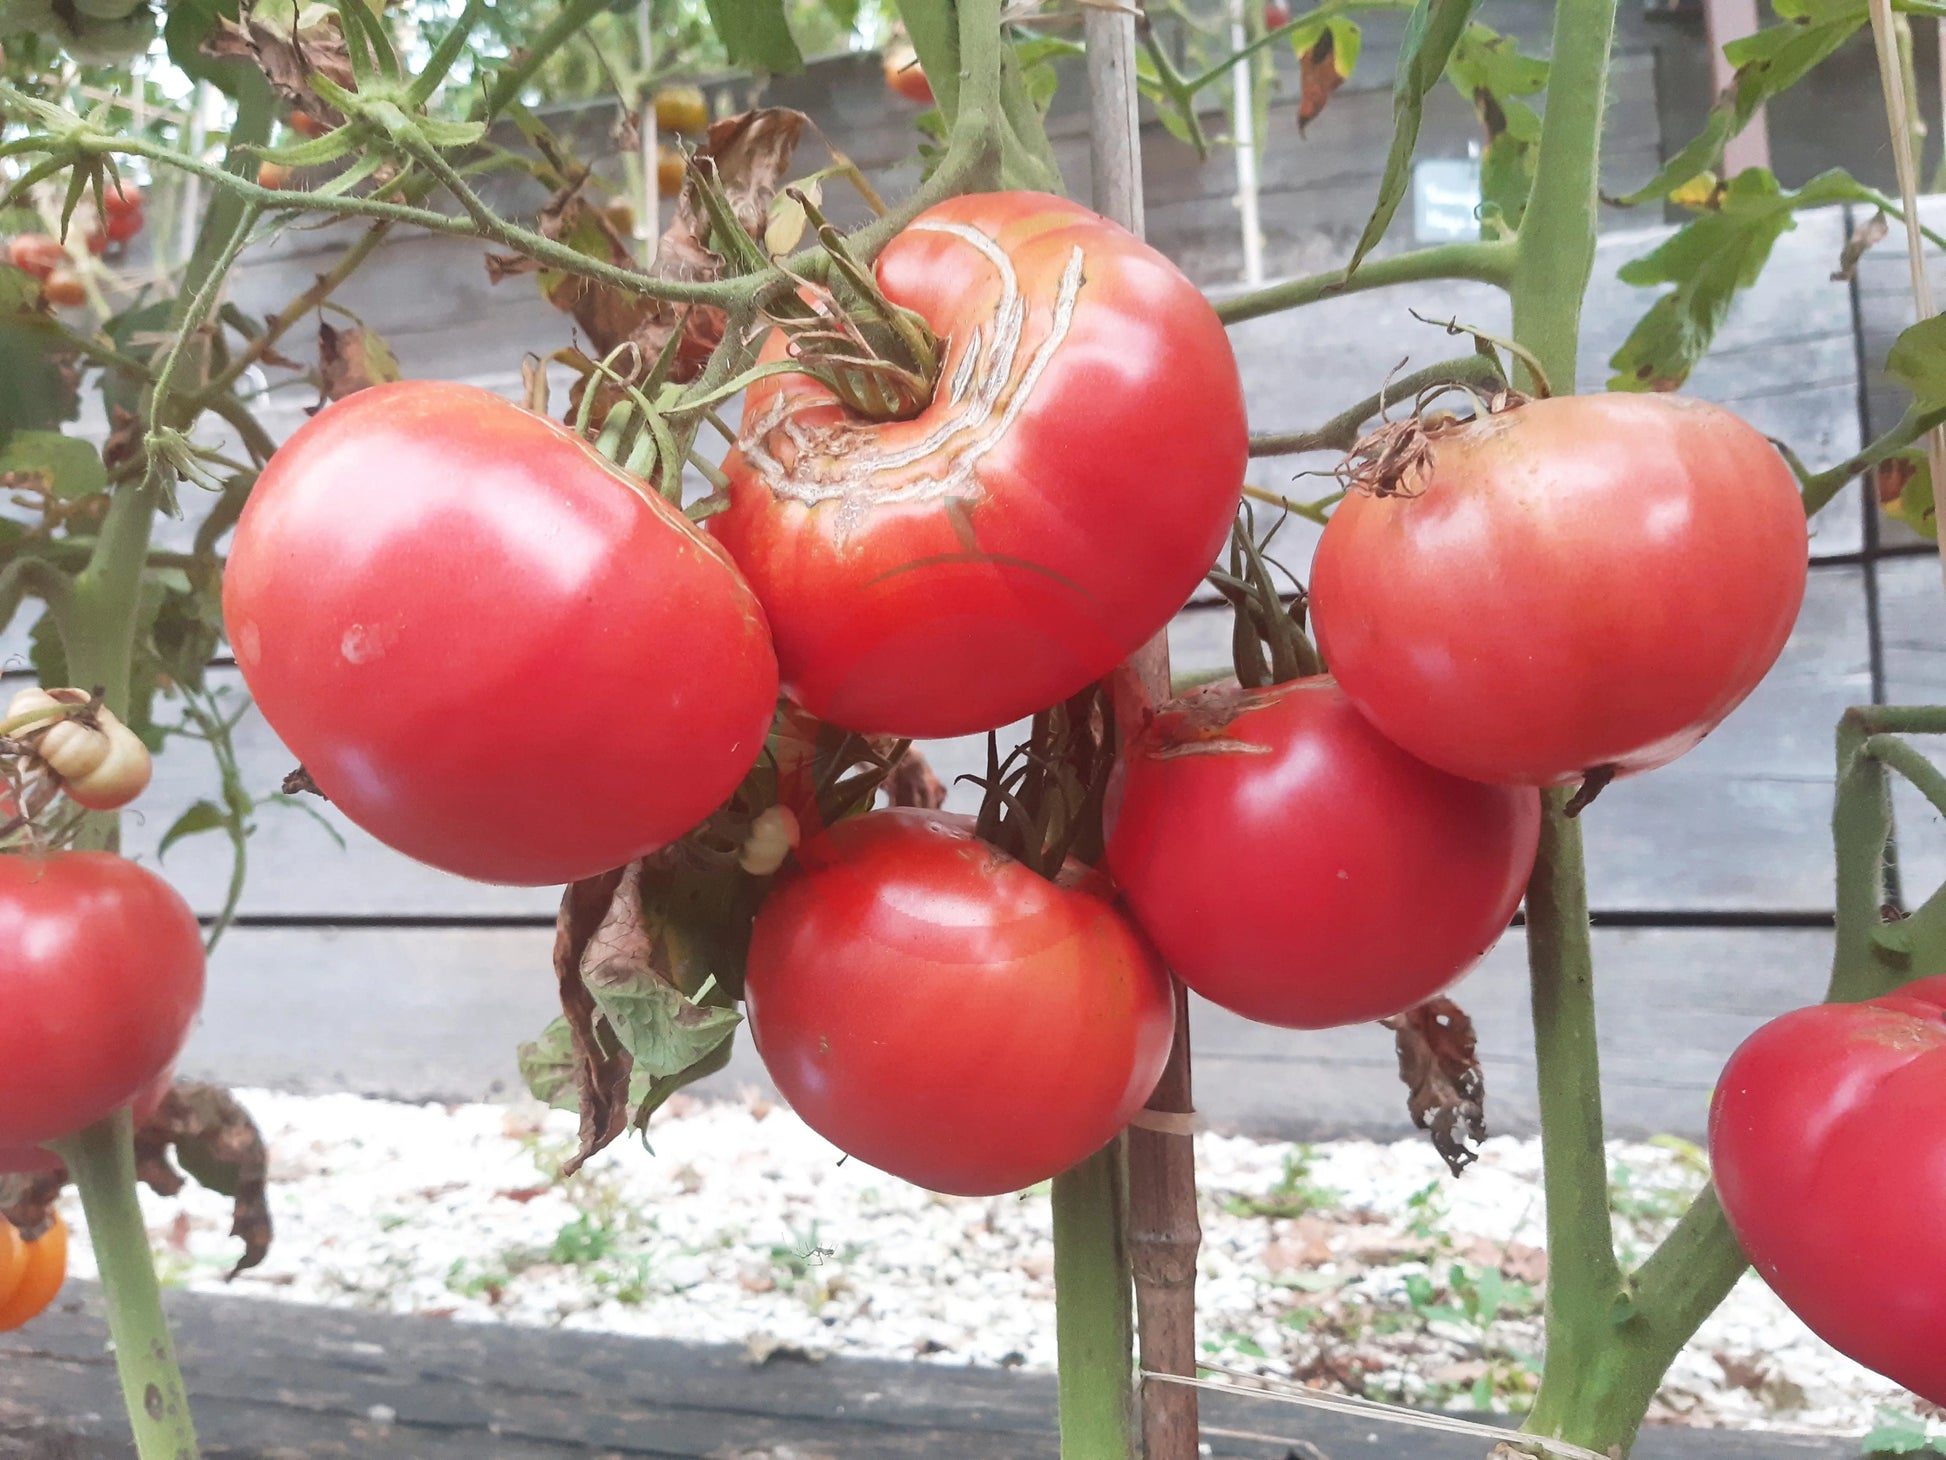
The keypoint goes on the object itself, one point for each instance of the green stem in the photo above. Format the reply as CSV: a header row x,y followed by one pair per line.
x,y
1222,69
101,1159
1487,261
1341,432
1820,487
1093,1314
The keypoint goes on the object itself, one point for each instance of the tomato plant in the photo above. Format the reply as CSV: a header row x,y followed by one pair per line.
x,y
936,1009
1589,585
957,570
101,972
1267,838
427,578
31,1273
1824,1140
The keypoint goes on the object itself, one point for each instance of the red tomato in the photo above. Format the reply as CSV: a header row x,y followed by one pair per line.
x,y
1276,15
1825,1143
121,204
1581,583
939,1011
35,1158
33,1277
40,254
905,76
491,648
1050,510
273,174
101,972
1268,839
682,109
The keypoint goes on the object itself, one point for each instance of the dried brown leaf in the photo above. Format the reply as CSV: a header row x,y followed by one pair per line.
x,y
1867,233
912,783
289,55
27,1200
601,1064
215,1141
1318,77
350,360
1446,1092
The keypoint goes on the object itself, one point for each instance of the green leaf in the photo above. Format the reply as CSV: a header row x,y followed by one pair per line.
x,y
648,1093
1769,62
664,1031
1489,71
1897,1433
1918,360
68,468
203,816
547,1067
40,390
756,34
1904,485
1347,44
1431,35
1721,251
188,26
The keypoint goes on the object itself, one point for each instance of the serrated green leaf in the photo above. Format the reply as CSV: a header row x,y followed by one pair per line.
x,y
664,1031
201,817
66,467
547,1067
1709,261
1767,63
756,34
648,1093
1917,360
1431,34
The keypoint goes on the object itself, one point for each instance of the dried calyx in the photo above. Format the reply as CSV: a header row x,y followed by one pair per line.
x,y
879,358
1394,459
1043,801
65,740
1268,644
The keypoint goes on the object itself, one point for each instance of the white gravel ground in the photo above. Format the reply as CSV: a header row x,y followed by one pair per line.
x,y
1335,1263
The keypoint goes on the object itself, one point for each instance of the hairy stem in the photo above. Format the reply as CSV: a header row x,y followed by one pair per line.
x,y
101,1160
1487,261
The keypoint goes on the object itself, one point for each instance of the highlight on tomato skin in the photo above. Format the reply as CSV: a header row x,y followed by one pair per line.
x,y
956,571
936,1009
1267,839
1824,1142
1589,586
491,648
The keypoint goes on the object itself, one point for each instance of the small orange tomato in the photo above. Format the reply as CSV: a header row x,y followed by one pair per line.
x,y
37,1271
670,169
63,289
306,125
905,76
273,175
681,109
40,254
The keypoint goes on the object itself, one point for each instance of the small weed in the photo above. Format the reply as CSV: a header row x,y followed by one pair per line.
x,y
1230,1341
472,1281
582,1242
1294,1194
1900,1432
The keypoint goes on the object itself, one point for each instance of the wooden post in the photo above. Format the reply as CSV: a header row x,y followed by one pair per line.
x,y
1163,1231
1730,20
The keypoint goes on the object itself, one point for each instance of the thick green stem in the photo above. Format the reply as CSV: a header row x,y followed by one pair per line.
x,y
1094,1300
1487,261
101,1159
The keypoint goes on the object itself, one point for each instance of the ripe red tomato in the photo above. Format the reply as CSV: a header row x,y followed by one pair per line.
x,y
1268,840
906,76
15,1159
40,254
1580,583
121,204
936,1009
1276,15
101,972
491,648
1825,1143
306,125
1071,481
31,1273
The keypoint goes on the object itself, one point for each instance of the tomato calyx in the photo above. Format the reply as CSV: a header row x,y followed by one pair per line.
x,y
1043,801
880,359
1393,459
1268,644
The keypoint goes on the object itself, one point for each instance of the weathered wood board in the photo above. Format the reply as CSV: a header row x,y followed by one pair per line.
x,y
272,1381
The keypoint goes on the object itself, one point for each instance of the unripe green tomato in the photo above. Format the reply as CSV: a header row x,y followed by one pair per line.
x,y
108,42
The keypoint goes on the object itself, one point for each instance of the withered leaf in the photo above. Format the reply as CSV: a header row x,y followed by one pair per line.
x,y
1318,77
750,154
216,1142
1867,233
601,1065
351,359
912,783
289,53
1446,1092
27,1200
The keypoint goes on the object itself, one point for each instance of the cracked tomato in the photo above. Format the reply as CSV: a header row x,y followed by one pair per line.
x,y
1296,867
491,648
1825,1142
1068,485
1583,586
938,1010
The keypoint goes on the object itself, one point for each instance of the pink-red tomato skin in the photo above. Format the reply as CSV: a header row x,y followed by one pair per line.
x,y
1826,1144
1582,582
101,975
1295,867
490,649
1003,552
937,1010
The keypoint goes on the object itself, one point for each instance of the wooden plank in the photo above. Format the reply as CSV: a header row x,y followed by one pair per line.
x,y
279,1380
1913,623
434,1014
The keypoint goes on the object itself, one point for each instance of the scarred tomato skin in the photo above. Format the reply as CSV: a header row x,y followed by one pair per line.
x,y
1825,1142
1269,842
1040,519
939,1011
1582,582
490,648
101,974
